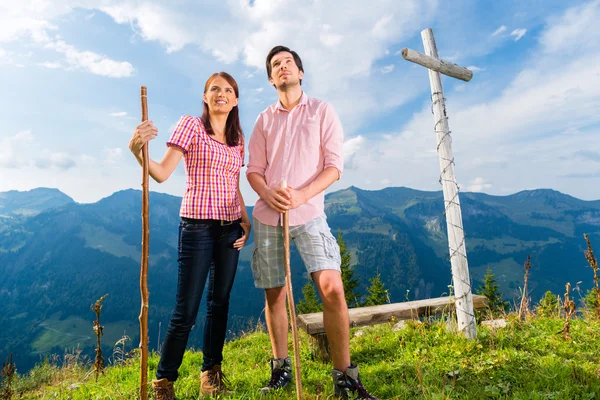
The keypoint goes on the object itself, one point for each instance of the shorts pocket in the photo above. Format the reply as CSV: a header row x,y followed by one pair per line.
x,y
255,264
332,249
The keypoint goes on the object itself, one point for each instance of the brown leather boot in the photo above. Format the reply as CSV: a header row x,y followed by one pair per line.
x,y
213,382
163,389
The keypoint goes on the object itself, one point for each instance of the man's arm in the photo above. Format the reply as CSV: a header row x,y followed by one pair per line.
x,y
321,183
257,165
274,197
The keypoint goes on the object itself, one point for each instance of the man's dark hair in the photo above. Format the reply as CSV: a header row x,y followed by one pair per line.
x,y
279,49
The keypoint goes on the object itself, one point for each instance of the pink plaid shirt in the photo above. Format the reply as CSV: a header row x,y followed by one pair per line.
x,y
298,145
212,172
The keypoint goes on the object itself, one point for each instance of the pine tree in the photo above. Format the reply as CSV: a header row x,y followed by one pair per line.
x,y
548,305
310,302
491,290
378,294
351,283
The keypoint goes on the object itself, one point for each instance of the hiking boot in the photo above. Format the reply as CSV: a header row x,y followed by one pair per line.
x,y
163,389
213,382
348,383
281,374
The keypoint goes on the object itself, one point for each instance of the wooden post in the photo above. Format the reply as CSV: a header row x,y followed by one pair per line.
x,y
144,267
456,235
290,297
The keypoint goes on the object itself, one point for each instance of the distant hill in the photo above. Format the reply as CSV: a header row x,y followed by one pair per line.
x,y
57,256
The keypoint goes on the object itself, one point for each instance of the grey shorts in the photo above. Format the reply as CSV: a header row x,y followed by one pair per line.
x,y
315,243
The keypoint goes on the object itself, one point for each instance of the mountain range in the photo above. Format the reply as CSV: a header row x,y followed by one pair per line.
x,y
58,256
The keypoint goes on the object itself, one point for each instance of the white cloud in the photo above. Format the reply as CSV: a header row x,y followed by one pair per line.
x,y
350,148
51,65
113,156
32,19
337,69
498,31
518,34
478,184
58,160
22,150
118,114
91,62
473,68
387,69
317,30
573,32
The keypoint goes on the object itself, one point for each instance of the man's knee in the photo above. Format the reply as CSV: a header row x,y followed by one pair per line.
x,y
275,296
330,285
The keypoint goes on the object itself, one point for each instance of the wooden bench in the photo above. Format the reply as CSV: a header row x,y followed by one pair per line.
x,y
365,316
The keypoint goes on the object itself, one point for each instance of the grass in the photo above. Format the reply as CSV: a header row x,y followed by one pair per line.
x,y
525,360
75,330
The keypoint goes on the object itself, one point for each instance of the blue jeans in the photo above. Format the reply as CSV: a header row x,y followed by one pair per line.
x,y
205,251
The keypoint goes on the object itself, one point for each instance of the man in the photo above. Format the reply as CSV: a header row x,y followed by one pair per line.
x,y
298,139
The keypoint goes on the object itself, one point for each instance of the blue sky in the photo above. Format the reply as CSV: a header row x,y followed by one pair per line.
x,y
70,73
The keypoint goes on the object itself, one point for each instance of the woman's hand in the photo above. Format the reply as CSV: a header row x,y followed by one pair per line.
x,y
143,133
241,242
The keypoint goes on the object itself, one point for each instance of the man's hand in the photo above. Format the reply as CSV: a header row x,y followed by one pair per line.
x,y
296,197
277,199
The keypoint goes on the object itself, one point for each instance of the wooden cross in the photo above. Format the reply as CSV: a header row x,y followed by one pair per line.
x,y
456,234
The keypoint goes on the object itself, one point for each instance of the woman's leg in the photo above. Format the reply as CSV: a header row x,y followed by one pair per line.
x,y
221,281
195,254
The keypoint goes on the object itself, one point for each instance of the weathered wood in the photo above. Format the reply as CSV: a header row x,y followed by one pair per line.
x,y
319,347
456,234
365,316
441,66
143,318
290,298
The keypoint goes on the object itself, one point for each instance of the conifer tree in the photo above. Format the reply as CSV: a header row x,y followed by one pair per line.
x,y
377,293
310,302
351,283
491,290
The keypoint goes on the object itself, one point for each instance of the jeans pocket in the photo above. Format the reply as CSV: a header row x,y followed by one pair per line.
x,y
254,264
332,249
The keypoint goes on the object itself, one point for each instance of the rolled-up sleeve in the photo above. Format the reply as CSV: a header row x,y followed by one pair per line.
x,y
257,160
332,140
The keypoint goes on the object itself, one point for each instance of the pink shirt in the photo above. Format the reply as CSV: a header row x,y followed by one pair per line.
x,y
298,145
212,172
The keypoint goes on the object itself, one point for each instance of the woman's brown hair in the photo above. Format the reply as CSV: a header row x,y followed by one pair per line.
x,y
233,128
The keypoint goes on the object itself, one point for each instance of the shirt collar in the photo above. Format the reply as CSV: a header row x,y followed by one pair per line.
x,y
303,102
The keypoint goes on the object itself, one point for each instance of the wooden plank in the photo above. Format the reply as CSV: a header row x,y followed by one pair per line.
x,y
364,316
441,66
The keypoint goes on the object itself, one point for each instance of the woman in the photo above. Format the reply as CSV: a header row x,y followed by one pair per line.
x,y
214,226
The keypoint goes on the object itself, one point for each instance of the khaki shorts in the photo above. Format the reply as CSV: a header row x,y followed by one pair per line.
x,y
315,243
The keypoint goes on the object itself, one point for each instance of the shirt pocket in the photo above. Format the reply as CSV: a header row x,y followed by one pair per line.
x,y
309,135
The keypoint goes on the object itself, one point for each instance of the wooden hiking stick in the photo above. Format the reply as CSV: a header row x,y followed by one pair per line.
x,y
144,267
290,297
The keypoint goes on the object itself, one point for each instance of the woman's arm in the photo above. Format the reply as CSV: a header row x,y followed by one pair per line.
x,y
159,171
246,226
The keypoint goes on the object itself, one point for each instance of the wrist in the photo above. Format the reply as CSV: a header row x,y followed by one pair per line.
x,y
304,195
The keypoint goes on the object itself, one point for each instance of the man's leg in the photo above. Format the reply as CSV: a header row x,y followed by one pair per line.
x,y
335,315
267,268
321,255
277,321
